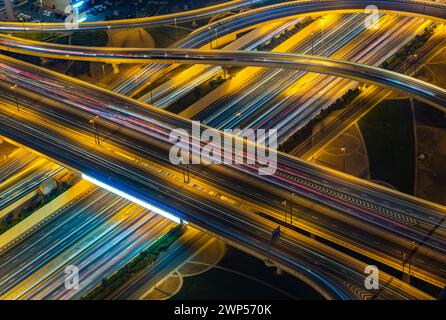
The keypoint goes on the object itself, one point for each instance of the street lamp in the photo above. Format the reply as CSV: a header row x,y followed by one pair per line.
x,y
185,169
285,205
361,89
109,33
14,89
343,149
416,64
40,13
23,23
210,37
176,29
216,37
322,35
95,130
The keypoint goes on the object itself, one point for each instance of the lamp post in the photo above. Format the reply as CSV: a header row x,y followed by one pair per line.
x,y
176,29
216,37
40,13
322,35
416,64
210,37
95,130
343,149
109,33
291,206
185,169
14,89
285,205
404,260
23,23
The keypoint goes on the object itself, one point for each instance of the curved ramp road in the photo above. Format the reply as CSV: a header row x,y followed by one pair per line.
x,y
348,195
424,91
250,18
426,9
179,17
334,274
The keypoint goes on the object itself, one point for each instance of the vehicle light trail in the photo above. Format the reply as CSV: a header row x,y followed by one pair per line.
x,y
131,198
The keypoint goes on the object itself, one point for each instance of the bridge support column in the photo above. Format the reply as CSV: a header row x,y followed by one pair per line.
x,y
115,68
279,271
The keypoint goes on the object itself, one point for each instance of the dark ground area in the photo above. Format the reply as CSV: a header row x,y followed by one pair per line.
x,y
389,137
218,284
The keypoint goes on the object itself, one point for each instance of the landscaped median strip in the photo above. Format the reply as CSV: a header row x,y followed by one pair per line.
x,y
42,215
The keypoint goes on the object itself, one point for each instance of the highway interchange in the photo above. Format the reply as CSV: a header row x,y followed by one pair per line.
x,y
344,206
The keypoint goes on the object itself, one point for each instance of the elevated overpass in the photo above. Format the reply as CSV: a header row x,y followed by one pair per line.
x,y
424,91
427,9
143,130
173,18
133,165
237,23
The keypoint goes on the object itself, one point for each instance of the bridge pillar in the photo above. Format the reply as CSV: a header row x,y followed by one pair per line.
x,y
279,271
406,277
115,68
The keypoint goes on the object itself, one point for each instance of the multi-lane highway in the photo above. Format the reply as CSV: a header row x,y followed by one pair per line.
x,y
98,234
126,105
412,219
185,81
181,251
369,98
296,254
140,76
173,18
424,91
200,37
285,99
